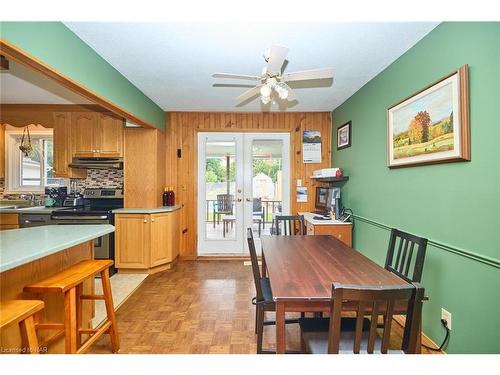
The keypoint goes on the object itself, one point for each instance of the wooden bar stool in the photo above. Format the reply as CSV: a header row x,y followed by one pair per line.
x,y
22,313
70,283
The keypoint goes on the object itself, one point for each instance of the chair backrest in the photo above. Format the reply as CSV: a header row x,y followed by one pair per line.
x,y
402,259
374,301
286,225
257,204
225,202
255,264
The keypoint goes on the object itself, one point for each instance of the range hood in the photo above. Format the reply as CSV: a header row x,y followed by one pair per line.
x,y
97,163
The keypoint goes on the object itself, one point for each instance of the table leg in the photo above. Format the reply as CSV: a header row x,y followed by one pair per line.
x,y
280,327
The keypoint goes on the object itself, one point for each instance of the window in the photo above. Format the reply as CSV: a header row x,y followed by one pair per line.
x,y
35,171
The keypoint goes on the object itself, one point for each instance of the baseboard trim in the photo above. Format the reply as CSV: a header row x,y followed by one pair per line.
x,y
223,257
401,320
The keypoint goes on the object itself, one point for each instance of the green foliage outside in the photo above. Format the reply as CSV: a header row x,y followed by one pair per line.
x,y
215,170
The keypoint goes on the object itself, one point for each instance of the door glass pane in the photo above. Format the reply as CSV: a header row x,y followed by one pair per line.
x,y
220,180
267,184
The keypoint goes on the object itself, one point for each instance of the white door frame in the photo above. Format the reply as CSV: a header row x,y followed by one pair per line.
x,y
243,200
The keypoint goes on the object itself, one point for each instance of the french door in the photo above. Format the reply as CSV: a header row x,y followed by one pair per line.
x,y
243,182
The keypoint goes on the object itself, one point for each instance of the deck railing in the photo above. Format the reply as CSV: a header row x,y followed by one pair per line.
x,y
269,206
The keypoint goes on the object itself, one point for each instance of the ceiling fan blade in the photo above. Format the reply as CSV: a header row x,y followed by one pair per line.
x,y
249,93
236,76
308,74
276,59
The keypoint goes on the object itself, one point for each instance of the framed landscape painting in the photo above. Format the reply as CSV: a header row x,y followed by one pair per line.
x,y
432,125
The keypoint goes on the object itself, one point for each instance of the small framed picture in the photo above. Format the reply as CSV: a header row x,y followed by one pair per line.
x,y
344,136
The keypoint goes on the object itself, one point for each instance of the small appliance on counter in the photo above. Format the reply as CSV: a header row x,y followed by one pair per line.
x,y
58,194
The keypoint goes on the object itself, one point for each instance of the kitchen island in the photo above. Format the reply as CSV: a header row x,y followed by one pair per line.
x,y
31,254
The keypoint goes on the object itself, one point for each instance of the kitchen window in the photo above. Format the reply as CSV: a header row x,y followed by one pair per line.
x,y
34,172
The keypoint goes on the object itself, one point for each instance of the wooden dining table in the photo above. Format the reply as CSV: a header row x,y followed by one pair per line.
x,y
301,270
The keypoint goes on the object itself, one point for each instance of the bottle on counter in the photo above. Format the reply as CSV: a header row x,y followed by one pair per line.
x,y
164,197
172,197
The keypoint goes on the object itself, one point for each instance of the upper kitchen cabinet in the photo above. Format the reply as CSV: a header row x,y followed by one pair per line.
x,y
63,147
96,135
109,137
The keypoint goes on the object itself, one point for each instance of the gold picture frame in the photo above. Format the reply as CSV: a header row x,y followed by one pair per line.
x,y
432,125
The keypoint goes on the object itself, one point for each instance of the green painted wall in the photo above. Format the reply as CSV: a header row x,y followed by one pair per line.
x,y
57,46
455,205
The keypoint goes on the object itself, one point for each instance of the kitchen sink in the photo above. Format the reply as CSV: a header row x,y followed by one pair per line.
x,y
20,207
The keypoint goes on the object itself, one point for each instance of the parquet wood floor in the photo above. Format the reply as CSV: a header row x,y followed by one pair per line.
x,y
198,307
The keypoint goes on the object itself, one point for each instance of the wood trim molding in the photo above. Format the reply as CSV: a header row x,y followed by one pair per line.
x,y
9,50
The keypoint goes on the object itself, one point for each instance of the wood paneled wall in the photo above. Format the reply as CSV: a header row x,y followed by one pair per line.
x,y
181,133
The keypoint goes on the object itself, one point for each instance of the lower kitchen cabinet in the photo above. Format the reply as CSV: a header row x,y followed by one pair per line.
x,y
9,221
146,242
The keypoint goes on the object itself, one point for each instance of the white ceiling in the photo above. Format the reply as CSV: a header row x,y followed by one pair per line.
x,y
21,85
172,63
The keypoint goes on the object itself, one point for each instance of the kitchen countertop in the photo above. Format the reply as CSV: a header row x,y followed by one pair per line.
x,y
156,210
30,210
21,246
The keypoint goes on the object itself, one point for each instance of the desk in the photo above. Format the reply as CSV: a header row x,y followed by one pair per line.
x,y
336,228
302,269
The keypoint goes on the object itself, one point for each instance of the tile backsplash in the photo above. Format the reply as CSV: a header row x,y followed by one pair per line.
x,y
101,178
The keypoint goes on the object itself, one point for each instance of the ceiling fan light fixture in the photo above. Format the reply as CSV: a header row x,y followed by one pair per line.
x,y
283,94
265,99
265,91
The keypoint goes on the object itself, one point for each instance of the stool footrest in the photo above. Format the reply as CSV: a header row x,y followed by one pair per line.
x,y
50,326
99,332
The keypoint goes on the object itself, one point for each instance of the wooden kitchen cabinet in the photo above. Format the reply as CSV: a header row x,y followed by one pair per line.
x,y
146,242
63,147
9,221
2,151
96,135
108,136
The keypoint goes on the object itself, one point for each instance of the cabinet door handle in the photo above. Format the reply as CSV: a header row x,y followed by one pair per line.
x,y
153,220
145,220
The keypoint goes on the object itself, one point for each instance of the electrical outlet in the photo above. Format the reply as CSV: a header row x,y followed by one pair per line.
x,y
446,315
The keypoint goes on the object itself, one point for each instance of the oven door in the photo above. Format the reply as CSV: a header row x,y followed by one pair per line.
x,y
102,248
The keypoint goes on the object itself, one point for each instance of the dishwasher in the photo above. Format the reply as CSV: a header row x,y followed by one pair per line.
x,y
34,220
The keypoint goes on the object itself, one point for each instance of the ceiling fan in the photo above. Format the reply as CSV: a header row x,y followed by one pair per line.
x,y
272,79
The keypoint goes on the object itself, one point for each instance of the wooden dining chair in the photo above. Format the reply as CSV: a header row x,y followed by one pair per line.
x,y
402,257
357,335
264,300
289,225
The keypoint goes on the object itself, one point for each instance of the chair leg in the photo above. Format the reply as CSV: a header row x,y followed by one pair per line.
x,y
79,309
70,328
110,310
260,328
303,348
256,317
28,335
